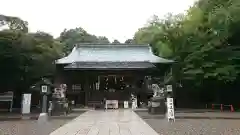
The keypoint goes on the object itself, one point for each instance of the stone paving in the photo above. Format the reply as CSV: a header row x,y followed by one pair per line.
x,y
109,122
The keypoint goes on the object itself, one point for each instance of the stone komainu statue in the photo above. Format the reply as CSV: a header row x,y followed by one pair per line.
x,y
59,101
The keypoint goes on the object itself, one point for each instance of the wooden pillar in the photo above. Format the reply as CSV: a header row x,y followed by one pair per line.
x,y
86,88
145,83
174,69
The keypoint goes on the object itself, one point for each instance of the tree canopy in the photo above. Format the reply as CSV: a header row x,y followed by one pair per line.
x,y
13,23
78,35
27,57
204,42
115,41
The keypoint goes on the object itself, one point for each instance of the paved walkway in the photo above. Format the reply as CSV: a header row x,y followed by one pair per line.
x,y
110,122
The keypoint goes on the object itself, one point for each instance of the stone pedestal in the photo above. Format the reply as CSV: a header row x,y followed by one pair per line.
x,y
43,117
25,117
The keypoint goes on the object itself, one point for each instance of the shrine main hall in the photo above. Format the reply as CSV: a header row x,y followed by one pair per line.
x,y
93,72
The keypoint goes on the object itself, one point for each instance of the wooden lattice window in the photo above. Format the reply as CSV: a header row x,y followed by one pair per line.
x,y
76,87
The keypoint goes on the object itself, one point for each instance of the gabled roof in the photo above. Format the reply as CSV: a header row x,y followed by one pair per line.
x,y
111,53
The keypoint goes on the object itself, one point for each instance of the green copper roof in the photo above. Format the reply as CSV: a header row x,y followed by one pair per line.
x,y
111,53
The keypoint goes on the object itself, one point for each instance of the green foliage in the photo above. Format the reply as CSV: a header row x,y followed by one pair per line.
x,y
13,23
129,41
204,42
69,38
103,40
26,57
115,41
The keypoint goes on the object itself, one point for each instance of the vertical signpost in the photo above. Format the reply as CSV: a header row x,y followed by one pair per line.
x,y
43,117
170,109
44,101
170,104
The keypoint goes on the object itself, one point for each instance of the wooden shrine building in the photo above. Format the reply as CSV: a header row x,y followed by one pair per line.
x,y
93,72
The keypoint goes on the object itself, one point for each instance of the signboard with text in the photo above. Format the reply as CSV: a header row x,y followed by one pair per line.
x,y
170,109
26,103
169,88
44,89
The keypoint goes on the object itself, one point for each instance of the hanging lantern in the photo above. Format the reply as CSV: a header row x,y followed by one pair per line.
x,y
106,84
97,85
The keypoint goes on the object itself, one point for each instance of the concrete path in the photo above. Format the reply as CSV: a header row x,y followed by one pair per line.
x,y
110,122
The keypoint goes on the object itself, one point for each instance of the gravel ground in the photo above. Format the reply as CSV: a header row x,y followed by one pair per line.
x,y
192,126
32,127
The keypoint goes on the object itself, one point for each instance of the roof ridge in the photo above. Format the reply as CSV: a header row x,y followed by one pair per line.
x,y
90,45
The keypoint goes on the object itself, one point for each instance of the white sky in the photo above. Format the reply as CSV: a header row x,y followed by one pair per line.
x,y
115,19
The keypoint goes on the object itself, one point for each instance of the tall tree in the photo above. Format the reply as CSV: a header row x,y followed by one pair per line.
x,y
78,35
13,23
129,41
103,39
115,41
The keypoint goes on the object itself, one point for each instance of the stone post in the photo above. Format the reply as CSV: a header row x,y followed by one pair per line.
x,y
43,117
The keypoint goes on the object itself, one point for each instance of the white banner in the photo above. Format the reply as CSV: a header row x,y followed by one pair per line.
x,y
26,103
126,104
170,109
134,103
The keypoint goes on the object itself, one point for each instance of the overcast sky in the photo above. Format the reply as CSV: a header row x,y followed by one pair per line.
x,y
116,19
